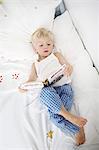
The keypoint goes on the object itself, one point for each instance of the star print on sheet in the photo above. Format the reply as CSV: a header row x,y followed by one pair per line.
x,y
50,134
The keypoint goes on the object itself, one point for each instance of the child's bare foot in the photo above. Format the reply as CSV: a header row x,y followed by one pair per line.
x,y
79,121
80,137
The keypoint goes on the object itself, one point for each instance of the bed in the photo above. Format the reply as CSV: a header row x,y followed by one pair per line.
x,y
24,122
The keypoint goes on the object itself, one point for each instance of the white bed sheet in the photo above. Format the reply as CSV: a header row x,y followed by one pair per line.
x,y
24,122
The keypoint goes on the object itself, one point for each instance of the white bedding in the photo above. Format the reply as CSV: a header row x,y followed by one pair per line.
x,y
24,123
23,120
85,16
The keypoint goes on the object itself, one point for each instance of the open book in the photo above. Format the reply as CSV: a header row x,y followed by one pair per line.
x,y
53,78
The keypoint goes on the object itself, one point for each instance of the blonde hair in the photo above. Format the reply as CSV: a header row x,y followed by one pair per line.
x,y
42,33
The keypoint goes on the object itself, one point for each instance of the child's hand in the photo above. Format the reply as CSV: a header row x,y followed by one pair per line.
x,y
22,90
69,69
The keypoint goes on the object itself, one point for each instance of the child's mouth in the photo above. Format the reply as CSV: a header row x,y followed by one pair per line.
x,y
46,51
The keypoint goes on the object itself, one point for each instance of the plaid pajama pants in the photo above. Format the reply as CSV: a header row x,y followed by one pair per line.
x,y
54,98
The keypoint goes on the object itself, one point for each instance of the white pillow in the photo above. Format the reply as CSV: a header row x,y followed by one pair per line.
x,y
85,76
67,39
69,43
22,19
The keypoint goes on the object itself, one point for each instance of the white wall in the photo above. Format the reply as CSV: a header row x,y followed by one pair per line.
x,y
85,15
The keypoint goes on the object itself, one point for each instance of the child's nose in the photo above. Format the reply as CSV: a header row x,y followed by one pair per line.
x,y
46,46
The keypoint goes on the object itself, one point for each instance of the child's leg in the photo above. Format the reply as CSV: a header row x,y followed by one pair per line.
x,y
51,99
66,94
55,97
63,124
77,120
67,127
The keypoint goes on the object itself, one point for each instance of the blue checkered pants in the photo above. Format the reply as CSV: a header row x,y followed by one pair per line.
x,y
54,98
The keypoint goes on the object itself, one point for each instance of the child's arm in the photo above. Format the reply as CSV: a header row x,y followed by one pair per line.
x,y
32,77
62,60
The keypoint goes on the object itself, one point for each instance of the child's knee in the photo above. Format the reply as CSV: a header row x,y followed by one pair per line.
x,y
44,91
44,94
48,96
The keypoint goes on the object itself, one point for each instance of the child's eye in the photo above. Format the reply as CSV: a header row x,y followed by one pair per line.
x,y
48,44
41,45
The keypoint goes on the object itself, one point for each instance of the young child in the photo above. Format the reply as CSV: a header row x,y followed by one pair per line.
x,y
58,97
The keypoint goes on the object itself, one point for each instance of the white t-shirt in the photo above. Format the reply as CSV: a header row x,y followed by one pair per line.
x,y
47,66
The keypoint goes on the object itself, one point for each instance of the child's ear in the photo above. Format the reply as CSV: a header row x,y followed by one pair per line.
x,y
53,46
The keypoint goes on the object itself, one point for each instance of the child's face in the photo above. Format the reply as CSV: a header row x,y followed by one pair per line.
x,y
43,47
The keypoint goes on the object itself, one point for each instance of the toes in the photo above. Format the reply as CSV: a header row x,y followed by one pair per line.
x,y
80,143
